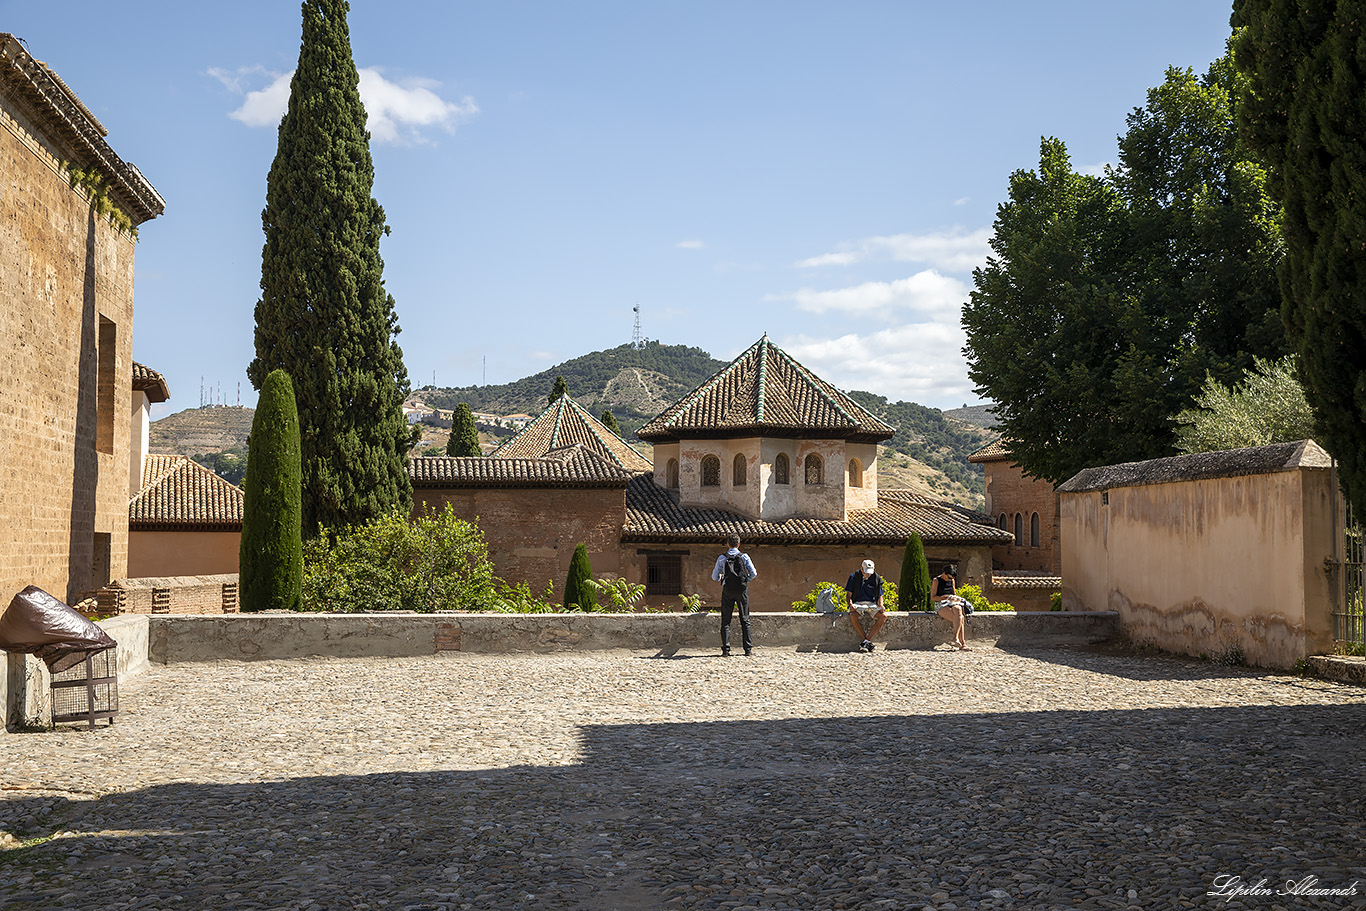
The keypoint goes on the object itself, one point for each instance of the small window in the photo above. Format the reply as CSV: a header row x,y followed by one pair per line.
x,y
1019,529
671,474
780,469
1003,523
663,574
855,473
711,471
1034,530
106,352
738,471
815,469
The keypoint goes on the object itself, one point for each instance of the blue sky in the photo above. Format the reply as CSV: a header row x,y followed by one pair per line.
x,y
824,172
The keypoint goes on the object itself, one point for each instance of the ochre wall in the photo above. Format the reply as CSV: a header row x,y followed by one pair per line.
x,y
62,268
182,553
1011,491
531,534
1208,567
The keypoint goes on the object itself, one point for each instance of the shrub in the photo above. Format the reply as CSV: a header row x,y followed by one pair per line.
x,y
974,596
436,562
1055,601
915,576
621,596
578,594
691,603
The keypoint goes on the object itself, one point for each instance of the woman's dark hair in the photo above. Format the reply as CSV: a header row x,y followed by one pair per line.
x,y
950,569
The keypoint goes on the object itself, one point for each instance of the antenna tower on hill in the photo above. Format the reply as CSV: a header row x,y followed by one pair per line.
x,y
636,340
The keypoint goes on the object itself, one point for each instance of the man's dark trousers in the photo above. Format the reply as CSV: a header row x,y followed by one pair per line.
x,y
729,601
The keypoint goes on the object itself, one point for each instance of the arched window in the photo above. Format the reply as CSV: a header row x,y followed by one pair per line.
x,y
815,469
855,473
671,475
711,471
780,469
1019,529
1034,530
738,471
1003,523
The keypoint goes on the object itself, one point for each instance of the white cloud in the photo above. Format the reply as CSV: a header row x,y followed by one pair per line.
x,y
962,200
917,362
690,245
1095,170
928,294
396,112
952,250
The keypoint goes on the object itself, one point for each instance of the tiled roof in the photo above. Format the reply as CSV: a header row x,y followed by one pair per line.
x,y
995,451
566,423
765,392
149,381
1001,581
570,466
179,494
653,515
1201,465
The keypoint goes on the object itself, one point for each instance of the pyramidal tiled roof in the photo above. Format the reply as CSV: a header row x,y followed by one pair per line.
x,y
567,423
180,494
766,392
569,466
653,515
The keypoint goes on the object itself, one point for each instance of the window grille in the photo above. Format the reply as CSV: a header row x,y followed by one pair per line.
x,y
711,471
780,469
815,469
663,574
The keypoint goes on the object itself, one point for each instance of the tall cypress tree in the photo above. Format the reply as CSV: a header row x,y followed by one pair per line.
x,y
324,315
1302,112
464,439
578,594
609,421
270,556
913,591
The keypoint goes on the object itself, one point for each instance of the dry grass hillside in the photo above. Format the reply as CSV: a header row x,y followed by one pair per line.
x,y
201,430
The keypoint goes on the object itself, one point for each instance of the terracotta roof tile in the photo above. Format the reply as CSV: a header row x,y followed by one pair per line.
x,y
653,515
765,392
149,381
995,451
571,466
566,423
178,493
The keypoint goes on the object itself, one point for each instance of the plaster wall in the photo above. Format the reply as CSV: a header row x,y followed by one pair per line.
x,y
660,455
744,499
778,501
864,497
182,553
1208,567
140,439
690,489
826,499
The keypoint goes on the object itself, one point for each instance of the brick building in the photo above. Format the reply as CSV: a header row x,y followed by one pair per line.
x,y
1024,506
764,449
66,314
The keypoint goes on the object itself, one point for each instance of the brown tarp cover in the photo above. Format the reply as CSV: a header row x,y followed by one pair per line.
x,y
35,623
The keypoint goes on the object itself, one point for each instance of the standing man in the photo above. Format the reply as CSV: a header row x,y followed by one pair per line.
x,y
734,571
865,596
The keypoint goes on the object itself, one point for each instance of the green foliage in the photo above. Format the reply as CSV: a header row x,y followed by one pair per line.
x,y
578,594
436,562
1055,601
1268,406
229,464
616,595
270,558
973,595
691,603
1108,300
324,315
609,420
92,182
560,389
464,439
915,576
518,599
1301,111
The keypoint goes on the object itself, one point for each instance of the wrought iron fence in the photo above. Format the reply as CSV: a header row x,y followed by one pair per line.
x,y
1349,623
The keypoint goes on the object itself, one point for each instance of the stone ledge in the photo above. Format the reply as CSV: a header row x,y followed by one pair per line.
x,y
247,637
1335,667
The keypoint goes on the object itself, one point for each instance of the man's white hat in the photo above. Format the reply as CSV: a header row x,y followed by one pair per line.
x,y
867,566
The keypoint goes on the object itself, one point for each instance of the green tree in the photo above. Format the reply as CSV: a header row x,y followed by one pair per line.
x,y
1268,406
270,558
324,315
610,421
578,594
914,588
561,388
464,439
1301,111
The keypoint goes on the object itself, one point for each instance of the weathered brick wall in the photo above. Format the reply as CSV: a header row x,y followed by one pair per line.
x,y
63,486
1011,491
532,534
213,594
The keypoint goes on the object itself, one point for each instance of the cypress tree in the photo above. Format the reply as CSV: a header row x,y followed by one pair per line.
x,y
464,440
610,421
1302,112
578,594
270,556
324,315
561,388
914,588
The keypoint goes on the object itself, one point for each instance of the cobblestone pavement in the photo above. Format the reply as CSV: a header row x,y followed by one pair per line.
x,y
1048,779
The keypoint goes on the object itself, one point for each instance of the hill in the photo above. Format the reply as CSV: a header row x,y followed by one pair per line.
x,y
983,416
201,430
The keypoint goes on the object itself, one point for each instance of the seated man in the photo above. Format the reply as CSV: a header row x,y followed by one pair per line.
x,y
865,597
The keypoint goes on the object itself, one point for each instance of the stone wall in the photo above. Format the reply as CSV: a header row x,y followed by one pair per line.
x,y
1010,492
208,594
66,315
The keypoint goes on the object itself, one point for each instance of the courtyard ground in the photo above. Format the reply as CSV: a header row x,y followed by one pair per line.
x,y
1032,779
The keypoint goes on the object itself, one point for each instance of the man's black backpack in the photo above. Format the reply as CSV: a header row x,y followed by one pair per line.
x,y
734,577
